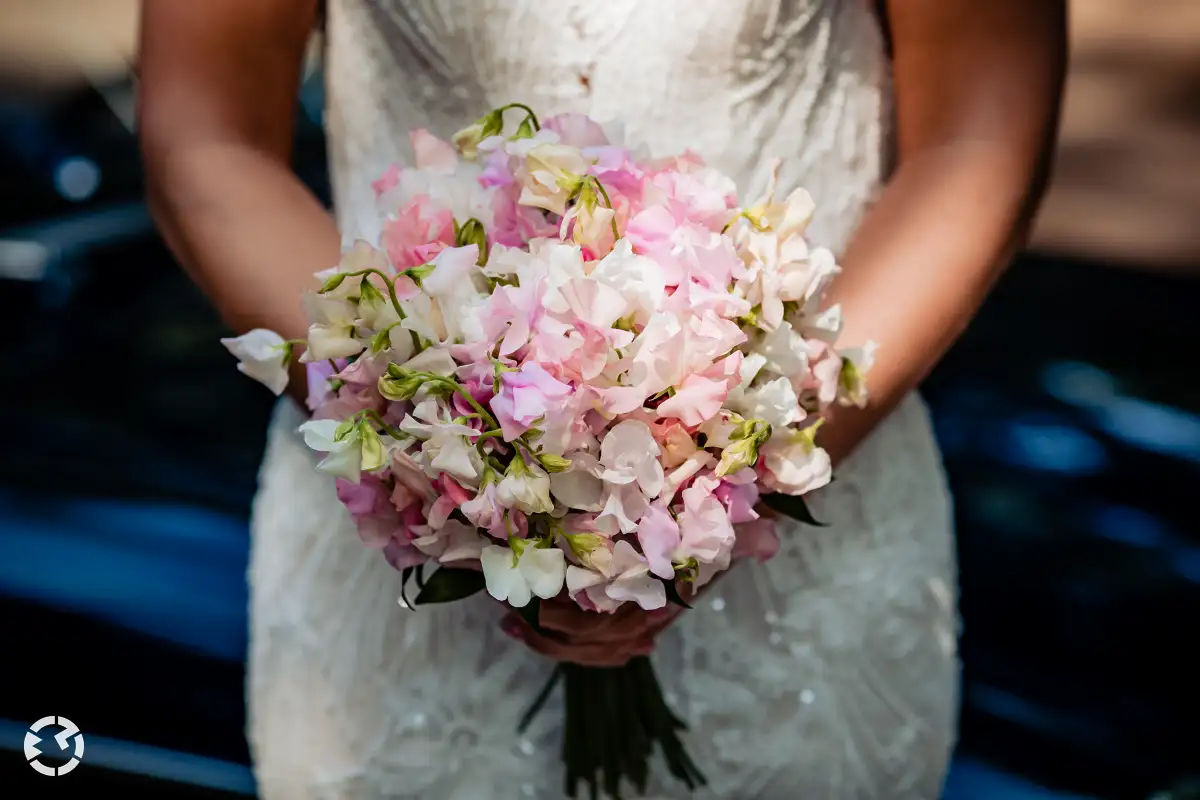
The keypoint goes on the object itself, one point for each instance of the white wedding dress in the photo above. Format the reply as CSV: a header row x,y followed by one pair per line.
x,y
830,671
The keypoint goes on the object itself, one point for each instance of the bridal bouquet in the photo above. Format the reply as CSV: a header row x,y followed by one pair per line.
x,y
563,369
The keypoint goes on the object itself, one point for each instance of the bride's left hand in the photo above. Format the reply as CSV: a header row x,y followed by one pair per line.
x,y
590,638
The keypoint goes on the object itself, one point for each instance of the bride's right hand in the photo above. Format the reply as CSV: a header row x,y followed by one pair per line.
x,y
591,638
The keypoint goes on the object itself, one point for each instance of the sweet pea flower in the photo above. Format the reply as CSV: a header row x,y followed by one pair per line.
x,y
390,179
579,486
262,355
431,154
359,256
526,396
549,176
793,463
576,130
587,311
454,541
696,400
627,578
658,534
446,445
369,505
485,511
516,576
331,334
525,487
784,351
775,402
637,279
758,539
852,385
629,454
705,531
351,447
417,233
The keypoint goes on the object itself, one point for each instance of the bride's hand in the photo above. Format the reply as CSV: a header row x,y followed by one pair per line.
x,y
590,638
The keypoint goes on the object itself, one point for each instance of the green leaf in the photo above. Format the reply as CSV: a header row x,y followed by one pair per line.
x,y
673,595
449,584
791,505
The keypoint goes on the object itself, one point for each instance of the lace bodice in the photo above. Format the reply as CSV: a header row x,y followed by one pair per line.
x,y
738,81
829,672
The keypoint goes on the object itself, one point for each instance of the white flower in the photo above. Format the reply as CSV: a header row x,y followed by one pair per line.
x,y
794,464
446,445
537,571
550,173
262,355
784,352
626,578
775,402
351,447
856,363
359,256
629,453
331,334
452,271
623,507
454,541
637,278
579,487
525,487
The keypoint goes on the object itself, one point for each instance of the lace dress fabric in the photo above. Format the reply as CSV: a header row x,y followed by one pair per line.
x,y
828,672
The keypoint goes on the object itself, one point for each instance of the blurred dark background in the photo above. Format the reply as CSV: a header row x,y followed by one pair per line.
x,y
1069,415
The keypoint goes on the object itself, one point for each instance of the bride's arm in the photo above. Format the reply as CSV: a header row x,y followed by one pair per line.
x,y
978,85
217,94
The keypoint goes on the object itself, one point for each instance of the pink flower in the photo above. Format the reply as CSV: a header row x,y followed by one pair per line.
x,y
625,578
525,396
705,530
390,179
658,534
739,494
697,399
756,539
368,502
576,130
418,232
431,153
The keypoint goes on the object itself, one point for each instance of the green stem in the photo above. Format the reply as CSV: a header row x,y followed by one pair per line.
x,y
461,390
608,202
391,431
532,117
391,288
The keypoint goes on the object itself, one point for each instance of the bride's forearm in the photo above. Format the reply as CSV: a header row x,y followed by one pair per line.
x,y
246,229
922,263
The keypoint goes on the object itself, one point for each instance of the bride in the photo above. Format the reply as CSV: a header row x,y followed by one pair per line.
x,y
921,127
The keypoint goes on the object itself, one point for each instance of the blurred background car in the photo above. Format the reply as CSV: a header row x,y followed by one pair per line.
x,y
1069,415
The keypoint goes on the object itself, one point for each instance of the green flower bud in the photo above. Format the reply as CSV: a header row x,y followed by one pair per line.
x,y
333,282
472,232
552,463
582,544
525,130
399,383
742,452
374,455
